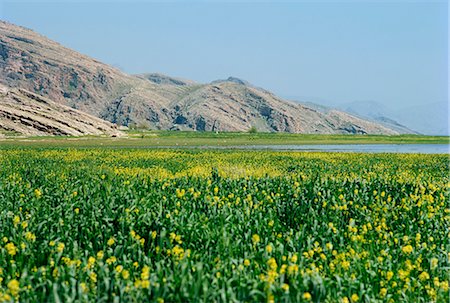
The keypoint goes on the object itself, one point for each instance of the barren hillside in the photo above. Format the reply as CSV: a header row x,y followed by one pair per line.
x,y
35,63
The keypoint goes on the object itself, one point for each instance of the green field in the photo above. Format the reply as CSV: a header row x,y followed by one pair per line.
x,y
179,138
127,225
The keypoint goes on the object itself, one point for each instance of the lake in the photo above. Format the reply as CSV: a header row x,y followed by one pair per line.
x,y
354,148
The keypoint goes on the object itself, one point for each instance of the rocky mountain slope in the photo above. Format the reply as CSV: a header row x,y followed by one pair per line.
x,y
26,113
32,62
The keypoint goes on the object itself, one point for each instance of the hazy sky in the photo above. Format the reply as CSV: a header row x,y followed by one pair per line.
x,y
394,52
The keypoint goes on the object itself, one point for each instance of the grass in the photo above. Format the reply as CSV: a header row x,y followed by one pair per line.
x,y
185,138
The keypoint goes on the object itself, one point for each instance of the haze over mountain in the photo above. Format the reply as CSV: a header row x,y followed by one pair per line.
x,y
429,119
32,62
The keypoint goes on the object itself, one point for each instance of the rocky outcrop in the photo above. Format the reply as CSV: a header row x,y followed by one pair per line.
x,y
26,113
158,78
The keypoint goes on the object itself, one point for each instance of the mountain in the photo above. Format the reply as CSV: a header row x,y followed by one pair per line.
x,y
370,110
234,104
377,112
26,113
429,119
36,64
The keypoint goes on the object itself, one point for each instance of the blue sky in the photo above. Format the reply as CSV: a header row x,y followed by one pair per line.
x,y
393,52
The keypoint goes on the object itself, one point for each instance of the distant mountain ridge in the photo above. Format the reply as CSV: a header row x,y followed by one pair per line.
x,y
34,63
429,119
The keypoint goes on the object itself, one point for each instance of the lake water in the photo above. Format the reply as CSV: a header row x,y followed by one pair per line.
x,y
356,148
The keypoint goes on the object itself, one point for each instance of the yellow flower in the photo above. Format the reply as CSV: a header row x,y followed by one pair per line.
x,y
255,238
91,262
294,258
111,241
434,263
153,234
383,292
37,193
51,243
272,263
402,274
354,298
444,286
345,300
407,249
77,210
11,248
30,236
247,262
100,255
424,276
145,284
125,274
389,275
14,287
345,265
307,296
285,287
60,247
16,220
93,277
84,287
180,193
436,282
119,268
111,260
269,248
292,269
145,274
